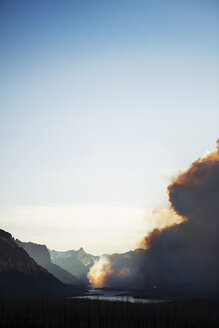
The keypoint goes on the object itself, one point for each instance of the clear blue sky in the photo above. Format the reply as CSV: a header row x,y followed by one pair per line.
x,y
101,103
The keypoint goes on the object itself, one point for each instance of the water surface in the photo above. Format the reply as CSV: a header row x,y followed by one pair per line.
x,y
115,296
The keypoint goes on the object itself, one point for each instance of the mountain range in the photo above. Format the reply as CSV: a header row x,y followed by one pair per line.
x,y
41,255
21,275
77,263
30,268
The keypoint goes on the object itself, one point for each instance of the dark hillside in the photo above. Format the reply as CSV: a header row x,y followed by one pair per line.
x,y
21,275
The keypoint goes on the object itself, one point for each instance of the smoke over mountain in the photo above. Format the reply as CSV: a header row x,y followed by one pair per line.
x,y
186,254
112,271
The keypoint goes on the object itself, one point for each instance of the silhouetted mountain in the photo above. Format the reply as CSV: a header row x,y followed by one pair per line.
x,y
77,262
21,275
41,255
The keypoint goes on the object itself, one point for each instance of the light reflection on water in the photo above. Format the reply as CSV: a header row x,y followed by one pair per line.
x,y
115,296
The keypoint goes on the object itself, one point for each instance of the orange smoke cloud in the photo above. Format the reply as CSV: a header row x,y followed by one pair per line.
x,y
102,270
186,253
160,219
196,186
99,272
199,172
187,193
181,251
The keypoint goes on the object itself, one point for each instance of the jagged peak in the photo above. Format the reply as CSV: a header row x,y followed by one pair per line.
x,y
81,250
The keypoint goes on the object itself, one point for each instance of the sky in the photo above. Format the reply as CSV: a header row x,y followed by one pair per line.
x,y
101,104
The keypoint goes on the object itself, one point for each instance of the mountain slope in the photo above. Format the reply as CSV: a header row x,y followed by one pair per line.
x,y
77,262
21,275
41,255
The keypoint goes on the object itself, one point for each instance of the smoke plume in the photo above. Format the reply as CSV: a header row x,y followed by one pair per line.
x,y
183,256
109,271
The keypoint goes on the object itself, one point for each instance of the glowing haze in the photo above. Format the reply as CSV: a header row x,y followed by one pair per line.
x,y
102,102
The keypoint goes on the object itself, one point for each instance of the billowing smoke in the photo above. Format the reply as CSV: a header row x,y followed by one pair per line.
x,y
99,272
183,256
107,272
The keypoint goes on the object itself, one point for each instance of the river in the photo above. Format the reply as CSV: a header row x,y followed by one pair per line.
x,y
116,295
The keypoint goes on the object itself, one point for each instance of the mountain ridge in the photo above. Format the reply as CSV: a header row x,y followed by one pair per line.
x,y
41,255
77,262
21,275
